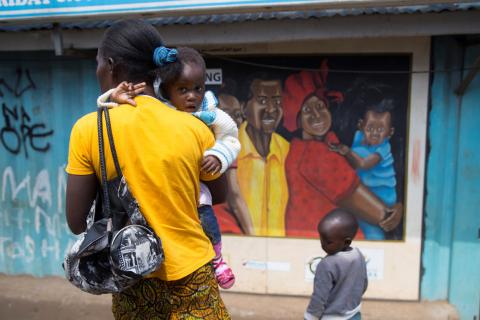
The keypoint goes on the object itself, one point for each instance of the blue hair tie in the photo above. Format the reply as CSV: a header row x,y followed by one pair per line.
x,y
163,55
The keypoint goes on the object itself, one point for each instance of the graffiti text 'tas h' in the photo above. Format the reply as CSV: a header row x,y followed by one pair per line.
x,y
20,133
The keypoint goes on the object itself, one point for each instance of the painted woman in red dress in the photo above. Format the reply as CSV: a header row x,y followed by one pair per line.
x,y
320,179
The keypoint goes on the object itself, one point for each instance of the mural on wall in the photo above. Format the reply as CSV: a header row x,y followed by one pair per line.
x,y
317,133
38,107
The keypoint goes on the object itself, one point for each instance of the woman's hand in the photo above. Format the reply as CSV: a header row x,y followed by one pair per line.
x,y
394,216
126,91
211,164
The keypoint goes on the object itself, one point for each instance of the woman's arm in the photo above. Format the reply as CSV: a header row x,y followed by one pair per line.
x,y
81,191
368,206
237,203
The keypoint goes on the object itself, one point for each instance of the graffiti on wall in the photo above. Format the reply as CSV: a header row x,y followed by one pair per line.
x,y
17,87
19,132
33,232
327,132
30,211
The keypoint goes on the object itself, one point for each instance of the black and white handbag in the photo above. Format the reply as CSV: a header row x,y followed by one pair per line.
x,y
118,248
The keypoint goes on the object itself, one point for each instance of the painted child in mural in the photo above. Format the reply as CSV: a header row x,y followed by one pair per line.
x,y
371,156
183,87
261,162
320,179
341,277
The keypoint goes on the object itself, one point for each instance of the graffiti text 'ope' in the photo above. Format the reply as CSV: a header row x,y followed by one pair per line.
x,y
20,133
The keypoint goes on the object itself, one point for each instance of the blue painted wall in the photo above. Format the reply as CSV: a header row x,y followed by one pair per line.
x,y
40,99
451,257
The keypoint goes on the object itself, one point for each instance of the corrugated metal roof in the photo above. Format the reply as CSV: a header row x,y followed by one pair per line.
x,y
241,17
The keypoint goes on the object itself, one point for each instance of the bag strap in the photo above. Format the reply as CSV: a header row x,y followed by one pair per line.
x,y
112,144
101,147
103,169
126,199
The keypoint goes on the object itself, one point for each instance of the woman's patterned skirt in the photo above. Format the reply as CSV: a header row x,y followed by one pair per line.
x,y
194,297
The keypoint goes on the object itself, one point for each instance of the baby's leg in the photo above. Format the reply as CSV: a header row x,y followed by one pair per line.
x,y
210,227
223,272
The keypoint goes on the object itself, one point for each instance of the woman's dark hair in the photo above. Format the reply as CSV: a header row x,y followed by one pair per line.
x,y
170,72
131,43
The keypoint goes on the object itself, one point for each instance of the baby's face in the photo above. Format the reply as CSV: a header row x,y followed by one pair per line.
x,y
187,93
376,127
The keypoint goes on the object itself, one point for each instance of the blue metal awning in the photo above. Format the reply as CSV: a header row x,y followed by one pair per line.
x,y
242,17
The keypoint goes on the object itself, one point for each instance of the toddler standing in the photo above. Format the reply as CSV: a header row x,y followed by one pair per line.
x,y
341,277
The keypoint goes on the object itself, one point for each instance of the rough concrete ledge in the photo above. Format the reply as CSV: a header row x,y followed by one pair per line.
x,y
26,297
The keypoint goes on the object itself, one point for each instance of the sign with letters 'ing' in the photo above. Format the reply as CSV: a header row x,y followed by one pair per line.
x,y
214,77
34,9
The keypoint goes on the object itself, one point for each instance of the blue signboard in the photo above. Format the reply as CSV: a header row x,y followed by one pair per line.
x,y
31,9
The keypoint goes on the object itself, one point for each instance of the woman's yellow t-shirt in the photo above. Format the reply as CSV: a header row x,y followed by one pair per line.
x,y
160,152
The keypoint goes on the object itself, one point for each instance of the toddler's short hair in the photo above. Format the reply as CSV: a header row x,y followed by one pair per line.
x,y
340,220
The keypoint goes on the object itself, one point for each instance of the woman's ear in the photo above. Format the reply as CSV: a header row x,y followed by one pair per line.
x,y
110,64
348,242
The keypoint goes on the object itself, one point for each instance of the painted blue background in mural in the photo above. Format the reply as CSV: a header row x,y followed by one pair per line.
x,y
40,100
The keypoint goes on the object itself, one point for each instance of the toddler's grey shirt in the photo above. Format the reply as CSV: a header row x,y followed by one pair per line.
x,y
339,283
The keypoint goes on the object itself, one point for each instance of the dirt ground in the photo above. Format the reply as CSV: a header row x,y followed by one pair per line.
x,y
26,297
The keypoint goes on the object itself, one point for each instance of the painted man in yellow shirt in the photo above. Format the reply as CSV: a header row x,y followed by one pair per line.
x,y
261,170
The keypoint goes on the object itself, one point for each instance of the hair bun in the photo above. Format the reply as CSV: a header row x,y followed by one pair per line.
x,y
163,55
